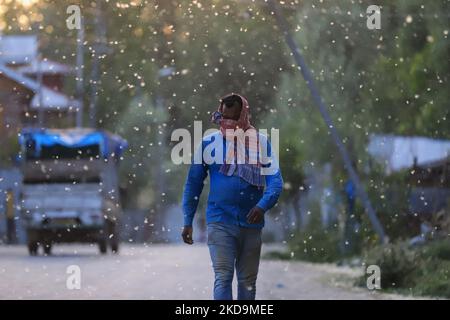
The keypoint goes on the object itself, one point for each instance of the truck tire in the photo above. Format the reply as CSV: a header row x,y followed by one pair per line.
x,y
102,246
47,248
113,236
32,242
33,248
115,247
114,241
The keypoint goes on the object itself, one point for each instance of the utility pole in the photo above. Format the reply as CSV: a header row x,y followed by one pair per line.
x,y
326,117
99,49
79,74
161,140
41,91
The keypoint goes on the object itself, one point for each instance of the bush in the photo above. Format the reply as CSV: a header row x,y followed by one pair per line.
x,y
421,271
439,249
397,263
434,280
316,247
315,243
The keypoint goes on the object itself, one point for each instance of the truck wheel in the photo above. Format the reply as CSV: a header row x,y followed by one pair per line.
x,y
115,247
114,240
102,246
33,248
47,248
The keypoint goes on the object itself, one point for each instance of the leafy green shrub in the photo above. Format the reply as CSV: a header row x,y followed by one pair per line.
x,y
397,263
278,255
439,249
434,279
317,247
421,271
315,243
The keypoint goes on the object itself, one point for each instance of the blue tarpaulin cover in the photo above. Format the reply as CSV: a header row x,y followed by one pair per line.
x,y
109,144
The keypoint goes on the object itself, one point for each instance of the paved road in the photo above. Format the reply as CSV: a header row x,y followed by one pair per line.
x,y
161,272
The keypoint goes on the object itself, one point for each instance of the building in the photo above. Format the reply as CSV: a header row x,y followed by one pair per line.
x,y
425,163
31,89
31,95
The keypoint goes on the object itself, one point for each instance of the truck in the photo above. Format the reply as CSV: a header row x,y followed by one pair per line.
x,y
70,189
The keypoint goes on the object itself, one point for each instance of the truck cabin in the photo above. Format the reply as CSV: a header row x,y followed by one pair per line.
x,y
68,155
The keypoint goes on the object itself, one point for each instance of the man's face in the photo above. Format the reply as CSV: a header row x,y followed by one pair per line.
x,y
232,112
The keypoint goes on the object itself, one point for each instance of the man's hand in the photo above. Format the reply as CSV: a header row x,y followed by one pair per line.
x,y
187,234
255,215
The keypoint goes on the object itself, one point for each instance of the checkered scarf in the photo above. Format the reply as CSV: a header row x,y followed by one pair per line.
x,y
243,147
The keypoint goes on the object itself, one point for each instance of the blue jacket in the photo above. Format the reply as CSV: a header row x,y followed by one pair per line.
x,y
230,197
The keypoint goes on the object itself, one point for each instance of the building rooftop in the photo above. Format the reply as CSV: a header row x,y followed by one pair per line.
x,y
44,66
18,49
50,100
398,152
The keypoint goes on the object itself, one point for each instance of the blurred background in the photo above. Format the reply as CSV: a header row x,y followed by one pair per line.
x,y
94,107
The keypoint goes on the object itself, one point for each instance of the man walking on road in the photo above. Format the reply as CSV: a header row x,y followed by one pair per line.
x,y
240,194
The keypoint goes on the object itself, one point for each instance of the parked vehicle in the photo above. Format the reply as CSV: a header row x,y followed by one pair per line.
x,y
70,187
